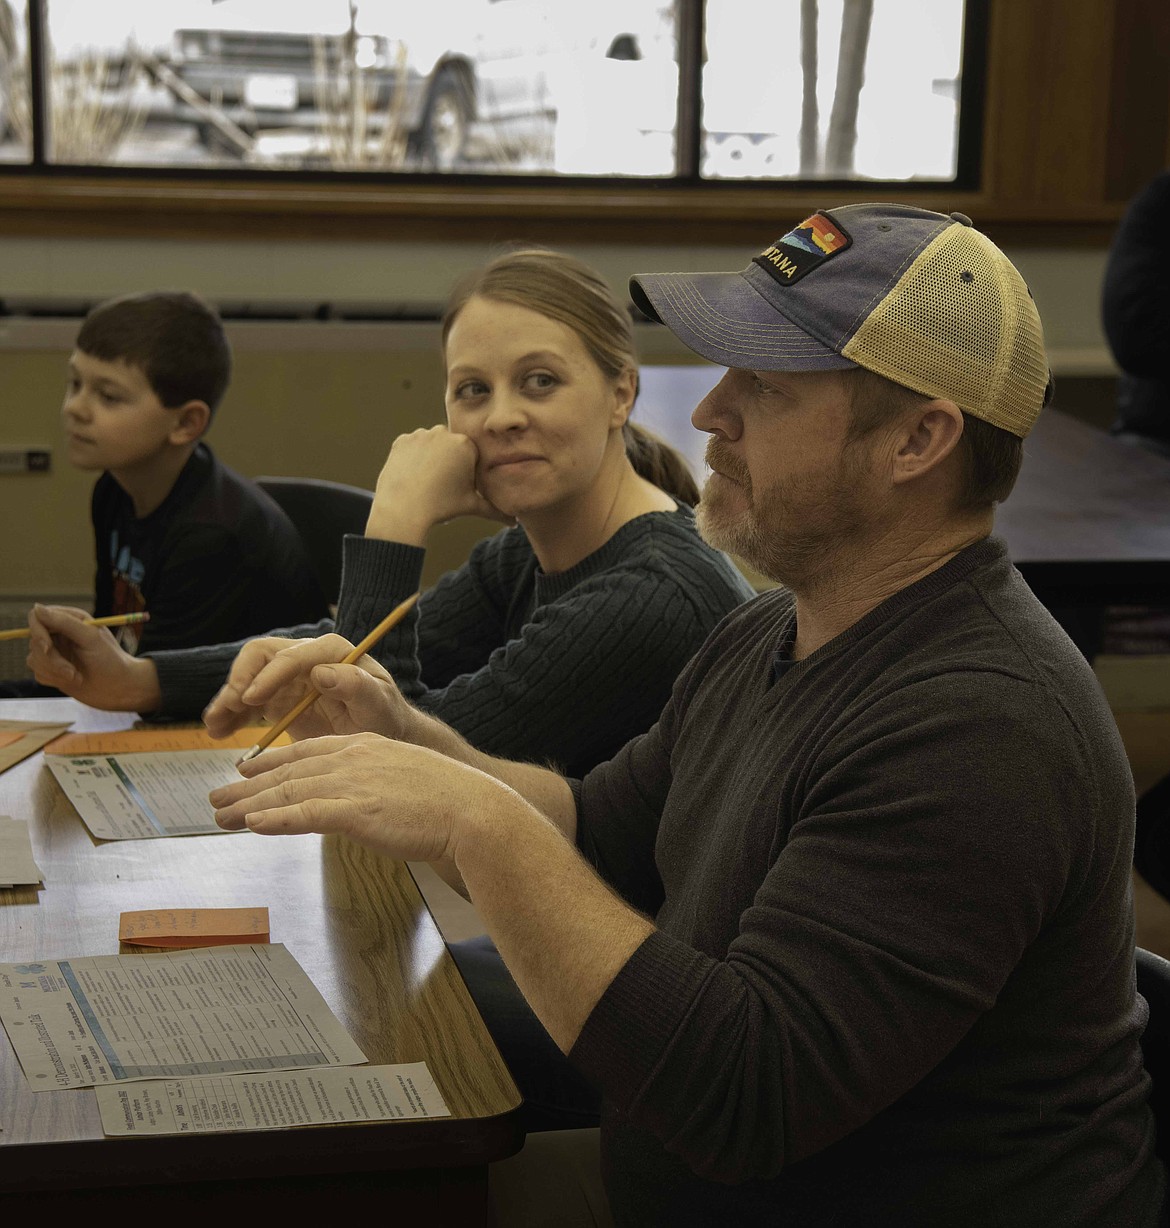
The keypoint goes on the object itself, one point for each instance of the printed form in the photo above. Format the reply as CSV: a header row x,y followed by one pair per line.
x,y
213,1011
16,855
272,1102
146,795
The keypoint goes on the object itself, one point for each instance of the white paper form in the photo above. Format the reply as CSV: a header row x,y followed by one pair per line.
x,y
206,1011
148,794
16,856
272,1102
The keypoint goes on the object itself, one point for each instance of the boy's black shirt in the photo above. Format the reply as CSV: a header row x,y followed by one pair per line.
x,y
217,560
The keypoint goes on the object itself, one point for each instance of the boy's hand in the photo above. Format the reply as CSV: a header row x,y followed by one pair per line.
x,y
427,479
87,662
271,675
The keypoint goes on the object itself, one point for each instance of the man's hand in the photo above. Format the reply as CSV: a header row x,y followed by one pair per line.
x,y
428,478
87,662
563,934
403,801
270,676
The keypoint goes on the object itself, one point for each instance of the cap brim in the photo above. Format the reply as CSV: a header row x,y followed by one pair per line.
x,y
723,318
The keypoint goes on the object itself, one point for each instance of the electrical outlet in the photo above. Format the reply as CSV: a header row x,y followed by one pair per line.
x,y
25,460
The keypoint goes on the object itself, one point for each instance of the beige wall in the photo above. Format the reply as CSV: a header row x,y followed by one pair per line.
x,y
322,399
300,404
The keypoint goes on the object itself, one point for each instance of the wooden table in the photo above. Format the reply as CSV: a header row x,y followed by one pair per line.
x,y
357,925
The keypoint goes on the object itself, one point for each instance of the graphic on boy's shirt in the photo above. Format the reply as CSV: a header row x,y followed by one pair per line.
x,y
126,592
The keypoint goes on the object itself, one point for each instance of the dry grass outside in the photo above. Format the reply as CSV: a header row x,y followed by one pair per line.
x,y
358,134
91,110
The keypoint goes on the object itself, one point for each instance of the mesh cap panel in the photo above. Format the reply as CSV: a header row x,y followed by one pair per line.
x,y
960,324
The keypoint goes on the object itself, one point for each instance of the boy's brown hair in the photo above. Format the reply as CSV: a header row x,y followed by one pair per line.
x,y
174,337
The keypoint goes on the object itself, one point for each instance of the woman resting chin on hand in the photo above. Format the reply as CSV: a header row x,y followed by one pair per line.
x,y
561,636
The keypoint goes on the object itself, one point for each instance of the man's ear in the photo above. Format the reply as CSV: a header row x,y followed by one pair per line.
x,y
929,436
190,422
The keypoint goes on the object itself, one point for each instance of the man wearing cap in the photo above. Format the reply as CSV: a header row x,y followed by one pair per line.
x,y
846,938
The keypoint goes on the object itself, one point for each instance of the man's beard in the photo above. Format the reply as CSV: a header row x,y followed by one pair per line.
x,y
796,535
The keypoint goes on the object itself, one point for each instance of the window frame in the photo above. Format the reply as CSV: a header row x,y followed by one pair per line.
x,y
999,181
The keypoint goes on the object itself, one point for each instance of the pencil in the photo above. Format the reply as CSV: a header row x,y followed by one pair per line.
x,y
395,616
114,620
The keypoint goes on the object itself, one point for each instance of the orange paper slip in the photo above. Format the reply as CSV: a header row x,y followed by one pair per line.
x,y
153,738
194,927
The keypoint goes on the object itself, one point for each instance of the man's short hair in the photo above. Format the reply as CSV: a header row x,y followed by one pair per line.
x,y
174,337
989,456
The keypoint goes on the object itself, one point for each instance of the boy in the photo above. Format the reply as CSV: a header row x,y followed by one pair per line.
x,y
202,549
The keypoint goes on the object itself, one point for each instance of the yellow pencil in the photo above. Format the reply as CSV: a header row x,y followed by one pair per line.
x,y
114,620
396,615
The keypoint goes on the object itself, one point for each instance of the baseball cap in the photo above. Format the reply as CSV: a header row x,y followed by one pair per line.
x,y
919,297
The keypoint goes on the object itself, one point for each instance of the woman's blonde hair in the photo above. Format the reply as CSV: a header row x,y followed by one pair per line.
x,y
563,288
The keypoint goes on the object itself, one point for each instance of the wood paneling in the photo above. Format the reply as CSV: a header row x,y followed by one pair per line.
x,y
1047,102
94,206
1139,117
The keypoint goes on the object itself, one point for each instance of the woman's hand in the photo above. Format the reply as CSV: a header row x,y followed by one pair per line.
x,y
402,801
270,676
68,652
427,479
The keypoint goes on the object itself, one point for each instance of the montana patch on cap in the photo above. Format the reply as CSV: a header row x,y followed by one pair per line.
x,y
803,249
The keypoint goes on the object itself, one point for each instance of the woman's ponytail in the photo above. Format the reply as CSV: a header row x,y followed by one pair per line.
x,y
656,461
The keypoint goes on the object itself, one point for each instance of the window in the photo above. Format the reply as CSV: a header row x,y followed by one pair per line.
x,y
834,89
15,115
791,90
